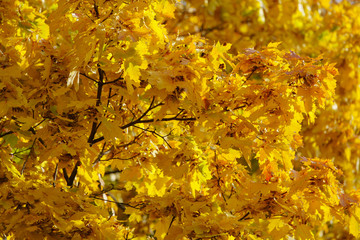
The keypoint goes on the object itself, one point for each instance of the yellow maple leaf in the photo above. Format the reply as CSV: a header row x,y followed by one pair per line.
x,y
165,8
354,227
132,75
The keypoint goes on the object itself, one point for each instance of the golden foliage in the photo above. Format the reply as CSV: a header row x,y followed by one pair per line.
x,y
116,123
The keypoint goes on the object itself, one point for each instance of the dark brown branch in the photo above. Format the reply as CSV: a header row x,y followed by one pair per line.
x,y
120,103
132,141
65,175
252,72
138,120
20,151
133,123
112,11
97,140
83,74
178,114
134,116
149,109
231,192
240,107
141,120
101,154
95,124
36,125
96,9
123,159
244,217
153,120
114,81
100,86
120,146
118,204
73,174
7,133
97,127
89,17
172,220
70,180
156,134
31,129
92,134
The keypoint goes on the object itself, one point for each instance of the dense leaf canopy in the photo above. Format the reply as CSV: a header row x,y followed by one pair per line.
x,y
173,119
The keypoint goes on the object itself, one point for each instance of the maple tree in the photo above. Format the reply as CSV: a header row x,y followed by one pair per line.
x,y
179,119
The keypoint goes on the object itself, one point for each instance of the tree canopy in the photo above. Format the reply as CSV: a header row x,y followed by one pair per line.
x,y
173,119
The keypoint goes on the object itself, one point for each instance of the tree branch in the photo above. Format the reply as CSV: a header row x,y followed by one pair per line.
x,y
112,11
244,217
141,120
156,134
114,81
95,124
154,120
31,129
101,154
7,133
70,180
96,9
124,159
83,74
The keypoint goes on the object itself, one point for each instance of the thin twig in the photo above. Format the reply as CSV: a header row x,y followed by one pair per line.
x,y
172,220
132,141
244,217
55,174
156,134
114,81
120,103
95,124
31,129
160,120
83,74
120,146
7,133
124,159
112,11
101,154
252,72
141,120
